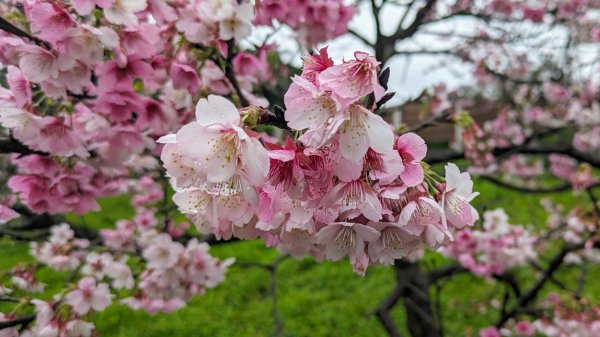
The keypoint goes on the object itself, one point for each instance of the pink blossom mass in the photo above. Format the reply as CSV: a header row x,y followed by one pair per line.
x,y
265,167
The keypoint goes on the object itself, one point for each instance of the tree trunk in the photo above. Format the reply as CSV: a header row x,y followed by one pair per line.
x,y
420,317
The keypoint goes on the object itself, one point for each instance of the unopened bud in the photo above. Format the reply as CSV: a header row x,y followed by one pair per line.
x,y
252,115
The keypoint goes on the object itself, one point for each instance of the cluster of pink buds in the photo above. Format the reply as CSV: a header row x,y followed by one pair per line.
x,y
341,185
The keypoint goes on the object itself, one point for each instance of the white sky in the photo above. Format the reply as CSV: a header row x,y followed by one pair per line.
x,y
410,76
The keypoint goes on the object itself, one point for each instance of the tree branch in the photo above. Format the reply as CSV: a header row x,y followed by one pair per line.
x,y
23,321
8,27
12,145
444,156
432,121
360,37
230,73
531,294
401,33
532,190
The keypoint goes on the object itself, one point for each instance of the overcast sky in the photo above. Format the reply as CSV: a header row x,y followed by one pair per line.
x,y
408,76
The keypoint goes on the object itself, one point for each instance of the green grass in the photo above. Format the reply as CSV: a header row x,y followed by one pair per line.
x,y
325,299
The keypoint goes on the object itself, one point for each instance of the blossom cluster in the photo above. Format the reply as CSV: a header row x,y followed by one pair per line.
x,y
171,274
562,319
566,319
498,246
345,187
575,228
534,10
99,81
312,21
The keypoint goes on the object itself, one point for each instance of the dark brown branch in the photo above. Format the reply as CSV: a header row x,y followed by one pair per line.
x,y
445,271
272,269
360,37
383,310
558,149
227,64
426,52
385,45
8,27
432,121
581,280
401,33
12,145
509,280
9,299
444,156
413,286
531,294
376,9
273,289
594,200
230,73
405,15
531,190
22,321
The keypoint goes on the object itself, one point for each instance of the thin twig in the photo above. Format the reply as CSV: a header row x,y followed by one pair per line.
x,y
230,73
432,121
23,321
532,190
581,280
8,27
594,201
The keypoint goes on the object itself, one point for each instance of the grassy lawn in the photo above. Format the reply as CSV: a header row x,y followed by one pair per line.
x,y
314,299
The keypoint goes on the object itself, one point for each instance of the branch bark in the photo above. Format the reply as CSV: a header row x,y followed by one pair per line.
x,y
22,321
12,145
413,286
8,27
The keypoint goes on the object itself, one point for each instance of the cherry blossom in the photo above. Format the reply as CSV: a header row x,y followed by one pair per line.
x,y
89,296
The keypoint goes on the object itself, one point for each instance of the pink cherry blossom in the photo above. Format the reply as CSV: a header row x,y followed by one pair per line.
x,y
185,77
123,12
237,24
310,108
143,40
456,197
364,129
524,328
314,64
79,328
353,79
420,213
346,239
50,21
489,332
89,296
412,149
38,64
7,214
226,148
163,252
355,198
85,7
19,86
393,243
